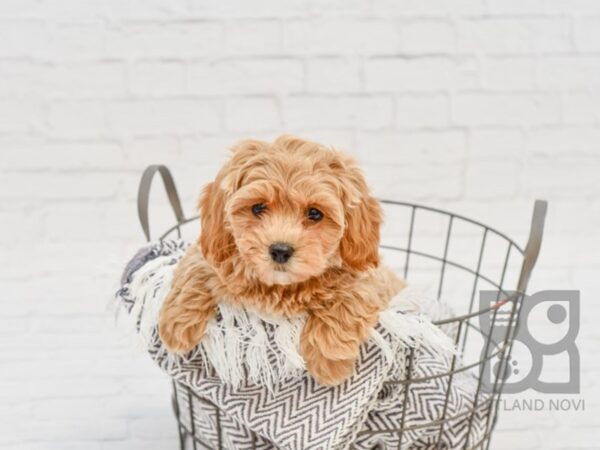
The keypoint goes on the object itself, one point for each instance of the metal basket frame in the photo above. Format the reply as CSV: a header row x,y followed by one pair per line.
x,y
463,323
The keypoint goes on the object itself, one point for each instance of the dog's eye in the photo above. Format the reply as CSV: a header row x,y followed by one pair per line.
x,y
314,214
258,209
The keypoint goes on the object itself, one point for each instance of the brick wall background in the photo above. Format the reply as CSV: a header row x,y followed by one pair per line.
x,y
477,106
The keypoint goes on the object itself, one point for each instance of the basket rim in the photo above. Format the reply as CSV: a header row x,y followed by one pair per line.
x,y
389,202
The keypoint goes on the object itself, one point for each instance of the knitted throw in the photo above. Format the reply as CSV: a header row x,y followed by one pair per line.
x,y
248,365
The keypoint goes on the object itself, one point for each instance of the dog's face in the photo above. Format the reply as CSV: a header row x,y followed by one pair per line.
x,y
289,211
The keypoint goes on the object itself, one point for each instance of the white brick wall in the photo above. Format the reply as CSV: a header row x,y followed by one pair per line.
x,y
478,106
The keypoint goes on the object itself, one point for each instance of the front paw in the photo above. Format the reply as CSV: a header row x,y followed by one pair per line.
x,y
327,369
181,331
329,372
178,338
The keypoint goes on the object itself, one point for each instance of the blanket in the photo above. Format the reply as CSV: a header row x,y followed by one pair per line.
x,y
247,377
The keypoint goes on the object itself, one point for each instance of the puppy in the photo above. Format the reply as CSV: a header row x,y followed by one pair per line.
x,y
288,228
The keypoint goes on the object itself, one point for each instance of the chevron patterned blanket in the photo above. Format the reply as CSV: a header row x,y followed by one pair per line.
x,y
247,378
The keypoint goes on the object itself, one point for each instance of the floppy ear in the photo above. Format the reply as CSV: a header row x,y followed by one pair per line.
x,y
359,246
216,242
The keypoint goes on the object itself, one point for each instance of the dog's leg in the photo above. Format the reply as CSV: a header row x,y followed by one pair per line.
x,y
189,306
332,336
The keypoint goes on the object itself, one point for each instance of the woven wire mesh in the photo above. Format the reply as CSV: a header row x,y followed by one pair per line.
x,y
455,257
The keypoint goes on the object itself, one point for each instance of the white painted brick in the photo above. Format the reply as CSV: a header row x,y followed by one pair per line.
x,y
587,34
97,428
77,118
588,215
12,326
154,428
316,112
414,111
244,77
241,8
66,223
333,75
580,7
62,445
419,148
497,143
505,109
431,181
205,150
420,74
18,225
165,40
511,7
144,151
48,186
145,386
20,115
153,9
341,139
68,325
568,72
429,7
22,38
508,74
326,36
129,406
157,78
360,8
253,37
73,11
80,155
551,179
168,116
581,107
252,114
492,179
21,78
18,8
523,439
563,141
74,387
106,79
81,40
431,36
582,438
139,444
514,35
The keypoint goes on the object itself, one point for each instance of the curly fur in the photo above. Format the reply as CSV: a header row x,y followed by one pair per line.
x,y
333,276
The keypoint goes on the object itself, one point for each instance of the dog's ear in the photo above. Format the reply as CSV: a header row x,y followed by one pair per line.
x,y
216,243
359,247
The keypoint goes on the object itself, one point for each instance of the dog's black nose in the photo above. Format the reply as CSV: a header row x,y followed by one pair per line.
x,y
281,252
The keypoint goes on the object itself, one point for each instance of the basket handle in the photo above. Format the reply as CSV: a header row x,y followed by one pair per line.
x,y
144,195
532,249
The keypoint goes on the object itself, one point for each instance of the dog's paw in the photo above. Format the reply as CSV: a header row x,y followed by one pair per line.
x,y
329,372
324,369
181,329
181,338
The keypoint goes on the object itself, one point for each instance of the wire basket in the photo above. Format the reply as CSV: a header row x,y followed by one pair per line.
x,y
457,256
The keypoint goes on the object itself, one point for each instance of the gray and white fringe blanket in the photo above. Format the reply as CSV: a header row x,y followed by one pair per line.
x,y
248,365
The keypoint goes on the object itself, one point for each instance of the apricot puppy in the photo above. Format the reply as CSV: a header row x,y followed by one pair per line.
x,y
288,228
